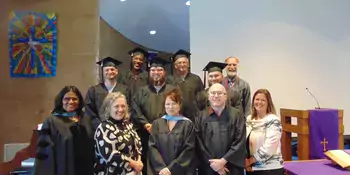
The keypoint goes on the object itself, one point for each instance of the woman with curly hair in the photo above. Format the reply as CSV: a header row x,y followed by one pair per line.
x,y
65,143
117,145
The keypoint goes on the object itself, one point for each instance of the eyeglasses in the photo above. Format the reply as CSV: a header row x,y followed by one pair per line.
x,y
218,93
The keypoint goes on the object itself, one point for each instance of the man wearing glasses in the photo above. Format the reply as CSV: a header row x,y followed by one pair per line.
x,y
220,131
215,75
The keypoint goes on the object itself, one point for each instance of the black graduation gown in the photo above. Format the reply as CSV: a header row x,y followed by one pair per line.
x,y
134,82
169,79
221,137
190,86
147,106
94,99
233,99
65,147
173,149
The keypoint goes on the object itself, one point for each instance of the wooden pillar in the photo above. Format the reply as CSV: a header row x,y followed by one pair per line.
x,y
302,129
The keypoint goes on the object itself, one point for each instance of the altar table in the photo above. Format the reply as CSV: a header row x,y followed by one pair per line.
x,y
314,167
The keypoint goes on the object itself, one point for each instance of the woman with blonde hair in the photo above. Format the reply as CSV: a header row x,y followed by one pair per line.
x,y
264,131
117,145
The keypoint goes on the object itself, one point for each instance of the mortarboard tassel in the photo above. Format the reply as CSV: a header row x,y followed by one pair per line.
x,y
101,74
205,79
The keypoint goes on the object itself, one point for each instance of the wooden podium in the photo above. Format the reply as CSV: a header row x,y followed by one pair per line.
x,y
302,129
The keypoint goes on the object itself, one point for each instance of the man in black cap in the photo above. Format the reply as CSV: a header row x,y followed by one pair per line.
x,y
190,84
96,94
148,103
137,77
215,75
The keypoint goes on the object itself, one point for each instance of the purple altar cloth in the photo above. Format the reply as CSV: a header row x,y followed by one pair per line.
x,y
315,167
324,132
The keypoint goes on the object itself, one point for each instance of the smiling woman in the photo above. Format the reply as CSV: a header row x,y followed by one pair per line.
x,y
264,132
172,140
151,22
66,137
117,145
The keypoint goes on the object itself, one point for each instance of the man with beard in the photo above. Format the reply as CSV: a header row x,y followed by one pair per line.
x,y
96,94
148,103
189,84
137,77
214,70
234,82
221,133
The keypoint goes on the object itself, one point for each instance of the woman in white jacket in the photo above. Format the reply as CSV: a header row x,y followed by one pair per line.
x,y
264,131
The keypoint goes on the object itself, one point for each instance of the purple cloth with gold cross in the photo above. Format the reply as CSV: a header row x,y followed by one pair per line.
x,y
315,167
323,133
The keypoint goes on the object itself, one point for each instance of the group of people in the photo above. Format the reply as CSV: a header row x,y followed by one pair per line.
x,y
149,122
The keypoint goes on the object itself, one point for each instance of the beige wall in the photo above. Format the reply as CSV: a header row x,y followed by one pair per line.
x,y
115,45
82,38
25,102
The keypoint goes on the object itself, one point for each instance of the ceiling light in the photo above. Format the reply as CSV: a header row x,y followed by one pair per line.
x,y
152,32
188,3
122,0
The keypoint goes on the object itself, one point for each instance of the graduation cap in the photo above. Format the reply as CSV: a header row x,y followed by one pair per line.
x,y
180,54
109,62
213,66
138,51
158,62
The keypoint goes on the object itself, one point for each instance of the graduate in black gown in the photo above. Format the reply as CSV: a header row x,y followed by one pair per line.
x,y
137,77
190,84
220,132
169,78
215,75
96,94
65,144
147,104
172,141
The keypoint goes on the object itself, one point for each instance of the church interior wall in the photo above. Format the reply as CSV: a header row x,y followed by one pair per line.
x,y
285,47
25,102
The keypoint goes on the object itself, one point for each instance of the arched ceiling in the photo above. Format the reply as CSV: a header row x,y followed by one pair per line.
x,y
161,25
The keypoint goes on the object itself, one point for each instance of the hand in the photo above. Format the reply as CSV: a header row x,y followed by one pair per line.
x,y
148,127
223,171
247,162
251,160
248,169
136,165
217,164
165,171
